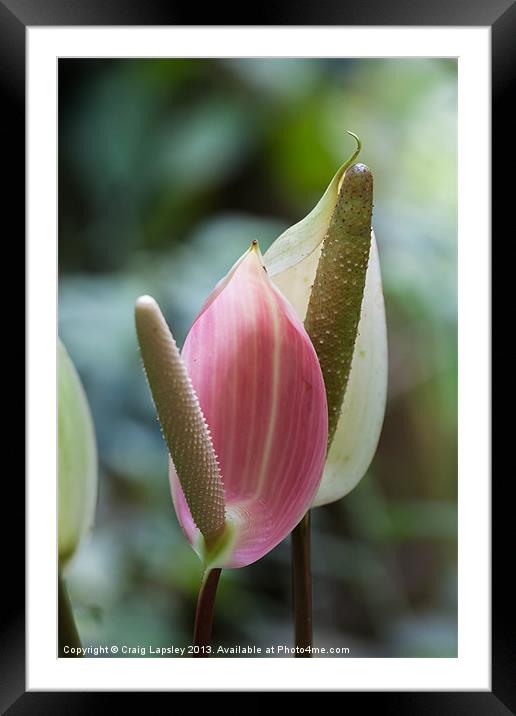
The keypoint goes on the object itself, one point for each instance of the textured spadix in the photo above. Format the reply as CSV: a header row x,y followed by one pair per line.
x,y
360,423
77,458
363,364
336,298
249,371
182,422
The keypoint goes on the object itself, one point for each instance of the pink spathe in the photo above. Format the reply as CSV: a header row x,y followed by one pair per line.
x,y
261,390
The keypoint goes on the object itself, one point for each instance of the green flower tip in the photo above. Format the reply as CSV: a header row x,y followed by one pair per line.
x,y
357,150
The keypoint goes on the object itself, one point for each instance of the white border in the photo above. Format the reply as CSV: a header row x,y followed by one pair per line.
x,y
471,670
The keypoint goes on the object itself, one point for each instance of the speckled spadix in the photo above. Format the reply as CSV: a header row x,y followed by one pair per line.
x,y
327,266
243,411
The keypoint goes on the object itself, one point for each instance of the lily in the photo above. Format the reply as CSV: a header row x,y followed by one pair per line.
x,y
292,262
244,414
327,265
77,481
243,411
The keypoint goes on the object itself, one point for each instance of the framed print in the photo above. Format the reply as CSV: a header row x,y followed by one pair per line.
x,y
265,432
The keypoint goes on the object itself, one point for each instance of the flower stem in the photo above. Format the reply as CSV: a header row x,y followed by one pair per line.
x,y
67,630
204,614
302,585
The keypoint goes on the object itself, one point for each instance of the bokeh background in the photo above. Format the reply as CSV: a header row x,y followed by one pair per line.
x,y
167,170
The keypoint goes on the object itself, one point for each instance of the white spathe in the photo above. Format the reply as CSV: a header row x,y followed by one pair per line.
x,y
360,424
292,263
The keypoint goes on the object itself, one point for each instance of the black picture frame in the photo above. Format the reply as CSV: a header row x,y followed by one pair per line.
x,y
15,17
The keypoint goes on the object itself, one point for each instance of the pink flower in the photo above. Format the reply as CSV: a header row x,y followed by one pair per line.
x,y
244,414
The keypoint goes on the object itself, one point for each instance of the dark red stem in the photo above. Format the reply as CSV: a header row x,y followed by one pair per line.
x,y
302,587
204,614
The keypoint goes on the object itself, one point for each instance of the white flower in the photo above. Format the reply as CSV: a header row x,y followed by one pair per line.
x,y
292,261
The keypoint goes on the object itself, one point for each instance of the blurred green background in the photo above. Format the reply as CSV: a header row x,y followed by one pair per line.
x,y
167,170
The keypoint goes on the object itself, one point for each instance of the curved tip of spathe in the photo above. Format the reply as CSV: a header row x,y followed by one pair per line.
x,y
254,250
357,150
350,162
357,139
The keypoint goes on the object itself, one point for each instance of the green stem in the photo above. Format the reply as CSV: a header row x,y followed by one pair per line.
x,y
204,614
67,630
302,586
